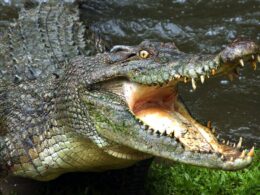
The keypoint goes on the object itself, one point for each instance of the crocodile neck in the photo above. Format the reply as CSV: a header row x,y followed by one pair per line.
x,y
59,142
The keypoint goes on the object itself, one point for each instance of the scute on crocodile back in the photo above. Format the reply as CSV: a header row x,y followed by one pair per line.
x,y
34,51
40,42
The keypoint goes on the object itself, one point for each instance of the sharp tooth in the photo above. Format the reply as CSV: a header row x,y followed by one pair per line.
x,y
202,78
232,158
258,58
243,154
253,57
251,152
222,157
193,83
239,144
223,141
165,133
218,136
213,71
185,79
213,130
254,65
241,62
234,145
177,76
228,142
169,131
209,124
161,131
150,130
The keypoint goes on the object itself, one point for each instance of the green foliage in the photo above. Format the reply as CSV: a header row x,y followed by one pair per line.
x,y
185,179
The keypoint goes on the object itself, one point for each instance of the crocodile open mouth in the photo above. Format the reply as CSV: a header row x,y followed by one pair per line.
x,y
161,125
163,114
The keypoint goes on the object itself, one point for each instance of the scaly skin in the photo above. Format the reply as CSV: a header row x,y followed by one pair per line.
x,y
64,111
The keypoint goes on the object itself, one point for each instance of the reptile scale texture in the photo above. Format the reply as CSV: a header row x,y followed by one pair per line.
x,y
64,110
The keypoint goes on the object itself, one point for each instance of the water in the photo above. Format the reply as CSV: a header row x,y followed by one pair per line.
x,y
196,27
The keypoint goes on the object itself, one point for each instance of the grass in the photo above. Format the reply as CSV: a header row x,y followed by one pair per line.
x,y
185,179
163,180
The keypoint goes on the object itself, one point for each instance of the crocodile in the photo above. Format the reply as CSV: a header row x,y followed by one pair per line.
x,y
66,107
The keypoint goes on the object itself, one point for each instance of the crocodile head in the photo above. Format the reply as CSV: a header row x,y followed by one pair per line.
x,y
140,106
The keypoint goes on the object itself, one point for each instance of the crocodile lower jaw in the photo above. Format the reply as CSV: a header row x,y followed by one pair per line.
x,y
159,109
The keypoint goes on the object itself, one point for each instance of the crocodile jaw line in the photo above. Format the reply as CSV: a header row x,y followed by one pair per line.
x,y
159,109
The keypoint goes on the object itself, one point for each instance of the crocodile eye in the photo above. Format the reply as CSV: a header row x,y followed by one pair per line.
x,y
144,54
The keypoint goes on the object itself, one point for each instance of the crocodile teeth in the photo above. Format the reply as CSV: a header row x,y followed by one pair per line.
x,y
254,65
213,130
253,57
150,131
165,133
161,131
234,145
241,62
193,83
222,157
239,144
209,124
185,79
232,159
169,131
258,58
177,76
243,154
202,78
158,132
213,71
228,142
251,152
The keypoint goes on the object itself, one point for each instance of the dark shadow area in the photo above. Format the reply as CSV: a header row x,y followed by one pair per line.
x,y
126,181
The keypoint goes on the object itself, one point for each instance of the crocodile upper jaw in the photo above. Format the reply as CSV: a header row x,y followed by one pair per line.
x,y
159,109
160,124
